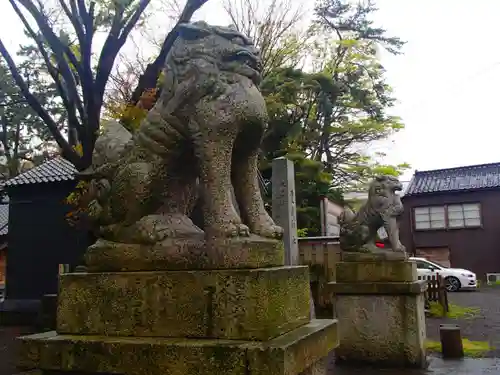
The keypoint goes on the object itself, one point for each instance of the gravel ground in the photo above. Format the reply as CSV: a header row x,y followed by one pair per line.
x,y
483,327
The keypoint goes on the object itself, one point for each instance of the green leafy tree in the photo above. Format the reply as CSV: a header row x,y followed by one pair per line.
x,y
24,138
350,112
326,117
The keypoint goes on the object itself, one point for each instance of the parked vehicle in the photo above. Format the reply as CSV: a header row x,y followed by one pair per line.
x,y
455,278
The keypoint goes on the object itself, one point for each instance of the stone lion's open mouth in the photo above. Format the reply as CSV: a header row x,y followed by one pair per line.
x,y
247,58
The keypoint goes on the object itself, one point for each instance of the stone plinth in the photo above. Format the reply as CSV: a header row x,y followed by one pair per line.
x,y
380,307
223,321
298,352
376,272
185,254
253,304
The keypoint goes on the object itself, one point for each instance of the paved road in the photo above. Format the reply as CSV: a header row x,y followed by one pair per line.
x,y
485,366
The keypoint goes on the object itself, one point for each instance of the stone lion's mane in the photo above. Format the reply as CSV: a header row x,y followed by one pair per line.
x,y
379,193
191,61
382,205
381,198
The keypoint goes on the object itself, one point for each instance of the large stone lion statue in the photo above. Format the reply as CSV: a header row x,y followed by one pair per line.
x,y
358,232
201,137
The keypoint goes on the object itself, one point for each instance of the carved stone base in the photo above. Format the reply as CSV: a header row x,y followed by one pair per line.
x,y
184,253
252,304
301,351
374,270
380,307
382,255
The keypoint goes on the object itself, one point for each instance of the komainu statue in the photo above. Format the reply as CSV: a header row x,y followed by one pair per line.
x,y
202,135
358,232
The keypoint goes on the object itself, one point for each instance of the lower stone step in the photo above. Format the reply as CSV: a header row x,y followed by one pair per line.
x,y
301,351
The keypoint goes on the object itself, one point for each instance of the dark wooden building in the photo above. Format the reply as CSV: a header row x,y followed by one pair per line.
x,y
452,216
40,237
4,231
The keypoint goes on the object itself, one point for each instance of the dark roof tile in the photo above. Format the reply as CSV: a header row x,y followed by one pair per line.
x,y
57,169
473,177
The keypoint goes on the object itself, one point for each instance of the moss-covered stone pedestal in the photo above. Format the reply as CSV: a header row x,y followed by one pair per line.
x,y
380,307
253,321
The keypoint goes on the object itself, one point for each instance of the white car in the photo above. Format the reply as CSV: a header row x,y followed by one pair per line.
x,y
455,278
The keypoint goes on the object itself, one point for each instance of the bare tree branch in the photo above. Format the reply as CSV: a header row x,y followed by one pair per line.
x,y
81,91
67,150
59,51
73,18
112,45
150,76
273,30
69,104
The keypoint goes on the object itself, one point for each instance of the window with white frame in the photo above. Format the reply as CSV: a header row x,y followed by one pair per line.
x,y
432,217
465,215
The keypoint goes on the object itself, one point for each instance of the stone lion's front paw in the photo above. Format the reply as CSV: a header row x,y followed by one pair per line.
x,y
269,231
227,230
230,230
400,248
243,230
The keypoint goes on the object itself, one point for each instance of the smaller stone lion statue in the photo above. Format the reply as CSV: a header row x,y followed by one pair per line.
x,y
358,232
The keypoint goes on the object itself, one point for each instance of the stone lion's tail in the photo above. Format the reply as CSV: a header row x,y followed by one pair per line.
x,y
109,148
346,216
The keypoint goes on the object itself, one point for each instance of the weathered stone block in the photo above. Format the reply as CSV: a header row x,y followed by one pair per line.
x,y
386,330
385,255
319,368
185,254
297,352
403,288
252,304
376,271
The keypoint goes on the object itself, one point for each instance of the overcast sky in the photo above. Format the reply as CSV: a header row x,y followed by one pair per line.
x,y
447,82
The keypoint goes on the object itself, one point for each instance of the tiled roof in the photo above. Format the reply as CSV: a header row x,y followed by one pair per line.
x,y
474,177
57,169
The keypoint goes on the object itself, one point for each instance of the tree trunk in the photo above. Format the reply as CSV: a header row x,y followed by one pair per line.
x,y
147,81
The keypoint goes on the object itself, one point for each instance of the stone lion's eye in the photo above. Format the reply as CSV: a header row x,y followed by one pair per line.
x,y
239,40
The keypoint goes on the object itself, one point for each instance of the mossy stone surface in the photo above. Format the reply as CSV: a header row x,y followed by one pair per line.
x,y
376,271
383,330
304,347
252,304
385,255
319,368
378,288
185,254
294,353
